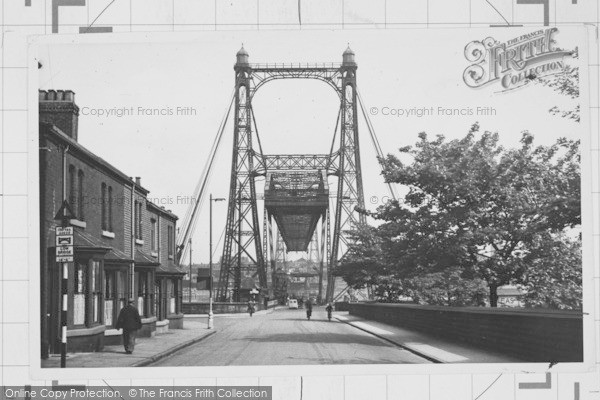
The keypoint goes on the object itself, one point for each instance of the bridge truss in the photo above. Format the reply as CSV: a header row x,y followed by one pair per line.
x,y
297,217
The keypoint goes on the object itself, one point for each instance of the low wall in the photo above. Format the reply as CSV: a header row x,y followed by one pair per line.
x,y
341,306
175,321
532,335
218,308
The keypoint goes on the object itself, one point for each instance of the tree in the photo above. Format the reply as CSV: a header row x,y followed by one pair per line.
x,y
553,279
361,265
475,205
566,84
448,288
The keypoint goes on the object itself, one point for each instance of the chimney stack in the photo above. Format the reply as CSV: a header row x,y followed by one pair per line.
x,y
138,181
58,108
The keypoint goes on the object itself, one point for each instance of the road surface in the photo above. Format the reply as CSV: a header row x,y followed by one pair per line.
x,y
286,337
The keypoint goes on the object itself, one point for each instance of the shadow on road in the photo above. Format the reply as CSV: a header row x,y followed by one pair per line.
x,y
307,337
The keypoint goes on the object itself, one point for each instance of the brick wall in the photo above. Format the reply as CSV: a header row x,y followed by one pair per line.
x,y
164,241
532,335
58,108
149,216
92,195
140,200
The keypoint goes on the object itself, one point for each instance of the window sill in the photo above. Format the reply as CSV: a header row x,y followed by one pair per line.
x,y
74,332
139,241
78,223
170,257
108,234
154,254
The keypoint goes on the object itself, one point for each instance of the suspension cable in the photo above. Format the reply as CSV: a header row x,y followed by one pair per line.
x,y
375,141
337,123
199,194
257,136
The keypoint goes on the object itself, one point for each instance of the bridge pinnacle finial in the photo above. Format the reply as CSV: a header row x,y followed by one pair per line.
x,y
242,56
348,57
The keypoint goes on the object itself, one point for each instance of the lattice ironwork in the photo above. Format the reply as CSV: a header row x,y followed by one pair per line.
x,y
243,247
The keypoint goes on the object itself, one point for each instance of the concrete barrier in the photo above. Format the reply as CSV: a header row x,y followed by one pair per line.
x,y
531,334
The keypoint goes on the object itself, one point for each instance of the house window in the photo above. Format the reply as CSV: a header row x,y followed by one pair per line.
x,y
153,234
144,294
140,221
80,201
79,294
96,292
135,218
171,295
103,204
73,189
110,300
110,209
170,240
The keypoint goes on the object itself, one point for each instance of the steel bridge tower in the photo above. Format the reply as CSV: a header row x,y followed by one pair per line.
x,y
296,187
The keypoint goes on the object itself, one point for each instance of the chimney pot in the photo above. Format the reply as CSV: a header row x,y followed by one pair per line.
x,y
57,107
138,181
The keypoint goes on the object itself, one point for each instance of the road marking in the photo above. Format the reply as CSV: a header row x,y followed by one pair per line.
x,y
371,328
440,354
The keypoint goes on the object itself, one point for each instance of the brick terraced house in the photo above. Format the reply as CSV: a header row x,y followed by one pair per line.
x,y
124,245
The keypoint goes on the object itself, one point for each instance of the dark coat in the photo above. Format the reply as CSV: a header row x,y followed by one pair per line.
x,y
129,319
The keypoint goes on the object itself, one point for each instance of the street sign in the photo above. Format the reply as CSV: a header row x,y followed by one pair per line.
x,y
64,251
64,212
64,240
64,244
61,230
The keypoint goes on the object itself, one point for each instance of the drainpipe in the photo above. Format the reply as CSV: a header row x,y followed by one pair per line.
x,y
64,173
132,269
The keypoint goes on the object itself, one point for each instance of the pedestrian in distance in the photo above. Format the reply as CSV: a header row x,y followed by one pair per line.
x,y
251,308
129,320
308,309
329,310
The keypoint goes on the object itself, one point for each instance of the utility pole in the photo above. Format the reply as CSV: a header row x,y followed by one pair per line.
x,y
210,263
210,271
64,255
190,242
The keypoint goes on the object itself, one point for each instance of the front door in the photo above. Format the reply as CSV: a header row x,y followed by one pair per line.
x,y
158,300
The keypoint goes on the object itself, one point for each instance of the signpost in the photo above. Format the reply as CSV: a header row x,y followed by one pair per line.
x,y
64,255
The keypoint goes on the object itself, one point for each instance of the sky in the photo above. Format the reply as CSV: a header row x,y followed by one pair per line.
x,y
397,70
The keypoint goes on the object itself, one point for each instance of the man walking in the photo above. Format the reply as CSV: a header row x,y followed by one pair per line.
x,y
309,307
129,319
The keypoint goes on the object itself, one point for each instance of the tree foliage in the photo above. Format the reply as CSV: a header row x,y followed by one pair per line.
x,y
474,212
566,84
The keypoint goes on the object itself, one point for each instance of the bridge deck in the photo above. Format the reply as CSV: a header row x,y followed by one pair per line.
x,y
296,200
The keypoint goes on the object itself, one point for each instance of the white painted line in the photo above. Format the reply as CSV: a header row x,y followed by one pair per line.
x,y
440,354
371,328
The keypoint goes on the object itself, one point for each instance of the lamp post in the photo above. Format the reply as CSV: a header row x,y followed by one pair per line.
x,y
191,263
210,270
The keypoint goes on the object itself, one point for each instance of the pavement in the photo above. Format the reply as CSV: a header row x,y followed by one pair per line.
x,y
147,350
431,347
